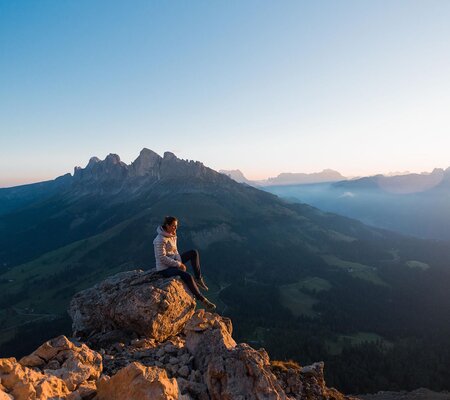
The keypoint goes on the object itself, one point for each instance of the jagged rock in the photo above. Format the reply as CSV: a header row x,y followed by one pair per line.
x,y
105,339
5,396
229,370
305,382
142,343
196,390
206,334
138,301
58,369
160,353
184,371
242,370
138,383
65,360
24,383
146,164
86,391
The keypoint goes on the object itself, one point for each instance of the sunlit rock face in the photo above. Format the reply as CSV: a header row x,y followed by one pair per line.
x,y
138,382
137,301
149,343
57,369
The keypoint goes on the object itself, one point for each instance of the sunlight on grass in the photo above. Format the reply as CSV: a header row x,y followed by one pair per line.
x,y
417,264
356,270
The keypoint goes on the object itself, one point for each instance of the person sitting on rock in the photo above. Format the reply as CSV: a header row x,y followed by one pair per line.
x,y
170,263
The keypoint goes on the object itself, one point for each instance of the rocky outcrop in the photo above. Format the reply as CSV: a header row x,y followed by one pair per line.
x,y
138,382
176,353
72,363
229,370
304,382
57,369
136,301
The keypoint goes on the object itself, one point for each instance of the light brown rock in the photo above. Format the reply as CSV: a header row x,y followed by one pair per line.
x,y
138,383
305,382
26,384
206,334
61,358
242,371
230,371
86,390
5,396
137,301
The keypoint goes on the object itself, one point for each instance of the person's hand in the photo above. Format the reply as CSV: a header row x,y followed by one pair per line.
x,y
182,267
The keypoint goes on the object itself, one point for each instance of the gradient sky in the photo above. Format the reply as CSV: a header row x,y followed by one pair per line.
x,y
264,86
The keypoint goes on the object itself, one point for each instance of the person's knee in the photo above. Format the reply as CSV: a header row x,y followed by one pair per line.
x,y
192,252
185,275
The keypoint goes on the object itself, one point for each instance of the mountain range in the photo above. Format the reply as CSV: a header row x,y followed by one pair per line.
x,y
304,283
287,178
412,204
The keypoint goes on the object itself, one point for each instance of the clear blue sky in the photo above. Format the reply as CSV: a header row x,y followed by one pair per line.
x,y
264,86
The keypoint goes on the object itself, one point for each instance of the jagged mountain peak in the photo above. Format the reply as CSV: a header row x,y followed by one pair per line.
x,y
147,166
93,161
235,174
145,163
112,158
168,155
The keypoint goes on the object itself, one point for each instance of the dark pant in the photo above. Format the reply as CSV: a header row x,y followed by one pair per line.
x,y
194,258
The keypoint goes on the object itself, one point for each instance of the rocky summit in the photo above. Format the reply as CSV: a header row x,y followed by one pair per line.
x,y
137,336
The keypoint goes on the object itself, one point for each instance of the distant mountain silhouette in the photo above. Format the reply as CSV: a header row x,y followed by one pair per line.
x,y
403,184
236,175
287,178
414,204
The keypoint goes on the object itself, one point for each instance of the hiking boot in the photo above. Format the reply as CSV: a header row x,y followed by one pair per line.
x,y
200,282
208,304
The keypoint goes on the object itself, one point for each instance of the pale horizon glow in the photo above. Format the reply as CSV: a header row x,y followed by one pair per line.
x,y
260,86
249,174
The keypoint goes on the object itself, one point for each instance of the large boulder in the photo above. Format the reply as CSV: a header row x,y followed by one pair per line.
x,y
141,302
230,371
138,382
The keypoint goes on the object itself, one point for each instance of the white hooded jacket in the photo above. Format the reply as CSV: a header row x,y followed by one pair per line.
x,y
166,253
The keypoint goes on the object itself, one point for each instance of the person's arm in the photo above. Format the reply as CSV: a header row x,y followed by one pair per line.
x,y
160,254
